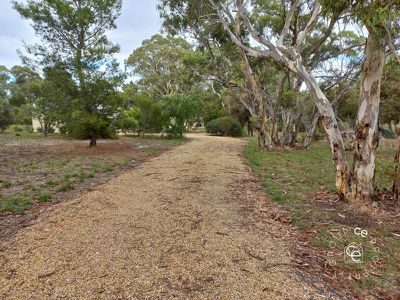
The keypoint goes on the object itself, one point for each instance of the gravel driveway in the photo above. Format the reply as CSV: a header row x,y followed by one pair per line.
x,y
173,228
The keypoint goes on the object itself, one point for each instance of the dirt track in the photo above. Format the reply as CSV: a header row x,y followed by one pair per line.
x,y
172,228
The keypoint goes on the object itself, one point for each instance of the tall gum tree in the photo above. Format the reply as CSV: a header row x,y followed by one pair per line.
x,y
355,185
290,58
198,20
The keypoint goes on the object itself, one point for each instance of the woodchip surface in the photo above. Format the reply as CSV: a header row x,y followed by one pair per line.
x,y
173,228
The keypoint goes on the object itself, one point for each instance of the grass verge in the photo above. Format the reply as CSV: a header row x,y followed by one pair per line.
x,y
303,182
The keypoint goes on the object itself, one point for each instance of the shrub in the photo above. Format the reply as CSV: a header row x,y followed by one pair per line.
x,y
225,126
5,114
29,128
17,128
181,112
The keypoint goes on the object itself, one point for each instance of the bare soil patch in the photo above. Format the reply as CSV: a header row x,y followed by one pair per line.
x,y
47,172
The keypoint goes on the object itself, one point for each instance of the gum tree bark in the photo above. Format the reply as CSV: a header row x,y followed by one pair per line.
x,y
263,125
367,138
311,130
331,127
290,58
396,179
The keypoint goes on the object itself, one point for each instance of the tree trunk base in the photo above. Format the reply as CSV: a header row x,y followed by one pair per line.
x,y
93,139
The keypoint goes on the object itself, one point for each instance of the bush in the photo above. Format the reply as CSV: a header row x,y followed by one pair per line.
x,y
5,114
29,128
16,128
225,126
181,112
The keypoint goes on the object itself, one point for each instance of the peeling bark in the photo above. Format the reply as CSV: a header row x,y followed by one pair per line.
x,y
263,126
331,128
367,139
311,131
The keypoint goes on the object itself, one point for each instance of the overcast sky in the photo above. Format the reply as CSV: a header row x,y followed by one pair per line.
x,y
139,21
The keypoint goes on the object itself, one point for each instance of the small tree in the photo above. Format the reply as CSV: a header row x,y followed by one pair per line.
x,y
93,118
181,111
73,34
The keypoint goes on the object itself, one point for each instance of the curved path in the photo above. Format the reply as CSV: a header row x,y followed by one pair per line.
x,y
173,228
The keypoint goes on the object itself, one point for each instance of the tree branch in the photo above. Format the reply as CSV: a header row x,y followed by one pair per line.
x,y
288,20
310,24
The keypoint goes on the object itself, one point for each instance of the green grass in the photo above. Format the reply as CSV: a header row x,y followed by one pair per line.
x,y
290,175
9,136
6,184
51,182
107,168
45,197
67,176
66,186
292,178
14,204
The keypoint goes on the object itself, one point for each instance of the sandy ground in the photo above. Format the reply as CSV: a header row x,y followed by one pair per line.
x,y
174,228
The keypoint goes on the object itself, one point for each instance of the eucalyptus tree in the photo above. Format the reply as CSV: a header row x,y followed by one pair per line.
x,y
290,49
160,63
73,34
226,68
274,97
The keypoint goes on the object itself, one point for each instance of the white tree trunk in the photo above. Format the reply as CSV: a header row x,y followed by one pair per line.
x,y
263,124
367,139
331,128
311,131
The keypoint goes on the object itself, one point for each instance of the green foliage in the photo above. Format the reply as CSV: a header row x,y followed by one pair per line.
x,y
128,121
5,114
161,63
84,124
66,186
181,111
94,116
225,126
390,94
74,46
16,128
22,114
149,114
212,110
